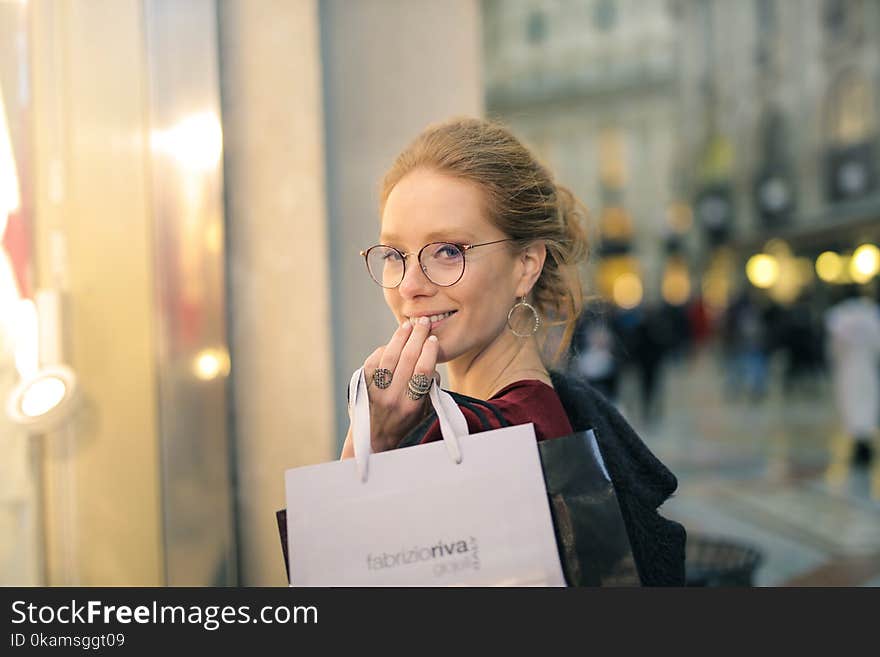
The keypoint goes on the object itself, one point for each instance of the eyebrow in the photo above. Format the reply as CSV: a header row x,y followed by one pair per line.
x,y
434,237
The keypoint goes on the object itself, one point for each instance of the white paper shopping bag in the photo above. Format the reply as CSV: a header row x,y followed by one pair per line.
x,y
470,510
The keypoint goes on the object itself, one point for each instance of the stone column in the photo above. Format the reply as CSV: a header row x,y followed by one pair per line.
x,y
279,290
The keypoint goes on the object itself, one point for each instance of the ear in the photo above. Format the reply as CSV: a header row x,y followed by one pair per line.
x,y
532,264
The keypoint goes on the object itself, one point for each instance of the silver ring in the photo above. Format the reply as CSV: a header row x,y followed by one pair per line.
x,y
418,386
382,377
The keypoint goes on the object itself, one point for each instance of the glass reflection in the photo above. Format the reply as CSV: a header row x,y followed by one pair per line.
x,y
195,142
20,516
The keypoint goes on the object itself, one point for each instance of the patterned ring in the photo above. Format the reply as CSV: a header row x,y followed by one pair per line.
x,y
418,386
382,377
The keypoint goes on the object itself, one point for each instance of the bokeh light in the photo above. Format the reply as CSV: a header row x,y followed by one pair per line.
x,y
865,263
211,363
42,396
829,266
628,291
676,287
762,270
196,142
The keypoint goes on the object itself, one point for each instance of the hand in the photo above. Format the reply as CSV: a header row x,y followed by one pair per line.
x,y
392,413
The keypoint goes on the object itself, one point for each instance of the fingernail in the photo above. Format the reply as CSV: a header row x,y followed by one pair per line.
x,y
424,321
432,338
404,324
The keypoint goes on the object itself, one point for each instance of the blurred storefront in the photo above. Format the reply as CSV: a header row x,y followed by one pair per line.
x,y
801,176
20,559
115,445
182,200
737,122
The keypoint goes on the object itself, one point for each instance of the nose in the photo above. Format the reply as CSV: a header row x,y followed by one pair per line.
x,y
414,282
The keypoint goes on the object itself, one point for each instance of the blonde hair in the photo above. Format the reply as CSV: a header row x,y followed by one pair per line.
x,y
523,201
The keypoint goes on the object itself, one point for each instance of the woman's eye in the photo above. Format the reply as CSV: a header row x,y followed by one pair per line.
x,y
392,256
448,251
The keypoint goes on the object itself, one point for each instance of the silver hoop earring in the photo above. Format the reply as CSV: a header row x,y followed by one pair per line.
x,y
537,321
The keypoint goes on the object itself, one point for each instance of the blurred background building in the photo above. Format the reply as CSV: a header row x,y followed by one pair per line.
x,y
182,203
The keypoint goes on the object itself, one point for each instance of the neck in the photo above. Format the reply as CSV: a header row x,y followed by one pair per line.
x,y
506,360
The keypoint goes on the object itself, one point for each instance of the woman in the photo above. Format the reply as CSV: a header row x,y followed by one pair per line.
x,y
853,328
478,245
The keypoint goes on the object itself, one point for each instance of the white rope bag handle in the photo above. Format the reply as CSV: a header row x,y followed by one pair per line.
x,y
452,422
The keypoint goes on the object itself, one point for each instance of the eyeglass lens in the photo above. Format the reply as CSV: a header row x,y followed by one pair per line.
x,y
442,263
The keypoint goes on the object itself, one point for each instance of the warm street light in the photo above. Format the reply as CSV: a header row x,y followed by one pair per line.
x,y
865,263
676,286
762,270
628,291
829,266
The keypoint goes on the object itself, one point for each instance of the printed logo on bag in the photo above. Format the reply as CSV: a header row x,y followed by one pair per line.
x,y
444,557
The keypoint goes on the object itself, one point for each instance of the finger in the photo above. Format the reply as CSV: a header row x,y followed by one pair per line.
x,y
391,355
410,354
423,372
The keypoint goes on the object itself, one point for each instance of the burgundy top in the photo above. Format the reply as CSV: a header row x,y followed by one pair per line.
x,y
519,403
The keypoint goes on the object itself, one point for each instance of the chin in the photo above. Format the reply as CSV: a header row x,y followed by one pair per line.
x,y
441,355
447,353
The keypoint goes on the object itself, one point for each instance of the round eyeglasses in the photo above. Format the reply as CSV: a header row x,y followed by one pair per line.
x,y
441,262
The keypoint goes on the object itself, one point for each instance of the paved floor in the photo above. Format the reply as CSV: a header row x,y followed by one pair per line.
x,y
774,475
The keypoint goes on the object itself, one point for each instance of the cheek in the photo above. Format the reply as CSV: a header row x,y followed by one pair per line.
x,y
494,314
392,300
487,310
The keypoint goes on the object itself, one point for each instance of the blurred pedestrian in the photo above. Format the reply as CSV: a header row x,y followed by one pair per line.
x,y
699,323
800,341
595,355
853,328
654,337
745,346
